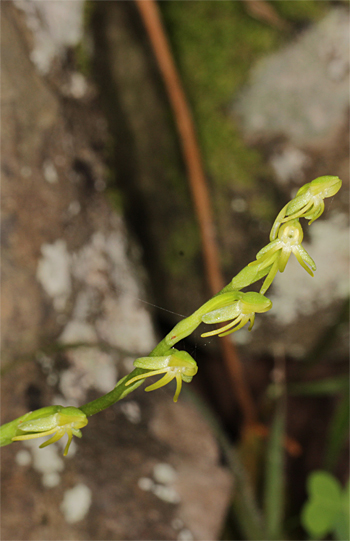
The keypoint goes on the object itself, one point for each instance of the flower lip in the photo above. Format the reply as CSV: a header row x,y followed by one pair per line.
x,y
291,233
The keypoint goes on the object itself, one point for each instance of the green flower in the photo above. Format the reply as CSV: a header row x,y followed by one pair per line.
x,y
240,312
276,254
177,365
56,420
308,202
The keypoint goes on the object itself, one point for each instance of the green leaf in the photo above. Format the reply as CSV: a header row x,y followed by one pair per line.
x,y
324,510
342,525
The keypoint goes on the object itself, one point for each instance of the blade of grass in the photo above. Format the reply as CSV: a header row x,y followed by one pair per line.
x,y
321,387
274,478
246,512
339,429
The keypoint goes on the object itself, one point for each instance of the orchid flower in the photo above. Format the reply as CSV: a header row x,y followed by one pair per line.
x,y
175,364
240,312
56,420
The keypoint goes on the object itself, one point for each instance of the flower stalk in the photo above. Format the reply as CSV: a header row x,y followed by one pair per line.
x,y
230,306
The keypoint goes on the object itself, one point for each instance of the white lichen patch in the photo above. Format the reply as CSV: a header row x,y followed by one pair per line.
x,y
145,483
76,87
90,265
103,266
51,480
164,476
90,368
164,473
166,493
126,325
122,272
56,25
47,461
76,332
294,292
76,503
289,164
132,411
23,458
185,535
301,91
53,272
107,308
50,172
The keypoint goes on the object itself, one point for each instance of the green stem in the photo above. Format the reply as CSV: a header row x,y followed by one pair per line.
x,y
120,391
181,330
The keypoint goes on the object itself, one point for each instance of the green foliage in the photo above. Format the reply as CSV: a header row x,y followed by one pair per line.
x,y
327,509
327,386
339,425
274,476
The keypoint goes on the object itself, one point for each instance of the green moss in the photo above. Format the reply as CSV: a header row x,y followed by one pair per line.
x,y
215,43
116,199
83,54
184,245
302,10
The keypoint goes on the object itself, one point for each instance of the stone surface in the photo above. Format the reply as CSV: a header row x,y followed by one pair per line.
x,y
75,316
301,91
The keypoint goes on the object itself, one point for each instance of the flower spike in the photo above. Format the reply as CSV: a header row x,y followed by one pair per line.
x,y
178,365
240,312
56,420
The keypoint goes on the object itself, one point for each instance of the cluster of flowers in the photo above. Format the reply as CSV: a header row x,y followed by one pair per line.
x,y
230,306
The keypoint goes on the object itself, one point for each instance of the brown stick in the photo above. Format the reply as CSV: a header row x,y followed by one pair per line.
x,y
150,14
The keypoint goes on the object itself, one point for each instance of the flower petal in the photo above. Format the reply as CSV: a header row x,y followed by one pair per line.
x,y
161,382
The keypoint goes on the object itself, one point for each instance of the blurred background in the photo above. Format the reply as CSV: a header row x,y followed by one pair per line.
x,y
102,255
